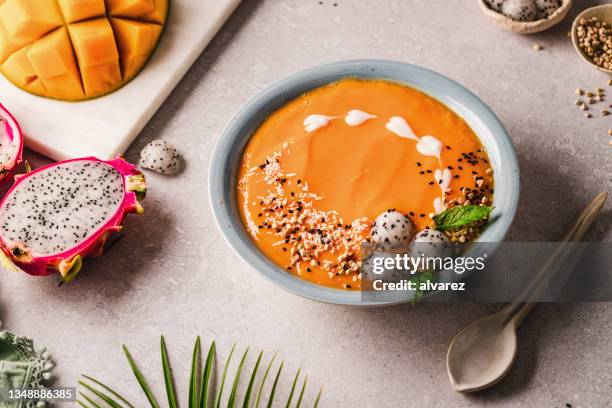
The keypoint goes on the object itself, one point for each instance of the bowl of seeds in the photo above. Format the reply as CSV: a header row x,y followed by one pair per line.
x,y
592,36
525,16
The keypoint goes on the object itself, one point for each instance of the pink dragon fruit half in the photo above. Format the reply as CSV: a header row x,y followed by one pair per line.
x,y
11,143
56,215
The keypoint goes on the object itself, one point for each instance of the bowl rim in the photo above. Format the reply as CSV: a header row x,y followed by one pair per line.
x,y
574,29
271,98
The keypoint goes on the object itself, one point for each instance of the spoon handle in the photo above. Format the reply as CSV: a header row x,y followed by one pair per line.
x,y
518,310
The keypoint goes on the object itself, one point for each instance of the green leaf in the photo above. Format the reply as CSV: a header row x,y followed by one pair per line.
x,y
98,395
316,404
295,380
69,275
299,401
109,389
193,382
232,399
140,378
419,278
227,363
456,217
170,391
273,391
263,381
101,395
88,400
247,395
82,404
206,376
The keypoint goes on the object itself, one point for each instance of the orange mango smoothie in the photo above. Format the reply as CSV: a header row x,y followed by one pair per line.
x,y
320,169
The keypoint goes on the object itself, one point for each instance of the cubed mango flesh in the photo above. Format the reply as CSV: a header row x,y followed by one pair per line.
x,y
76,10
96,50
18,68
130,8
135,41
27,20
77,49
54,63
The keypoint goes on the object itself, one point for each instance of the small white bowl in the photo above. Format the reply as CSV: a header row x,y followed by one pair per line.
x,y
603,13
526,27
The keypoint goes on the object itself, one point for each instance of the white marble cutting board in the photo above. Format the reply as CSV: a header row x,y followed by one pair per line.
x,y
105,127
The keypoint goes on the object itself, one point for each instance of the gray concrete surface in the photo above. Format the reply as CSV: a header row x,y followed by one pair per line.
x,y
174,274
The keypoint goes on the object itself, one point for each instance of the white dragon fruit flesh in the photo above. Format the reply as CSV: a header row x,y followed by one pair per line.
x,y
520,10
431,243
161,157
392,231
56,215
11,143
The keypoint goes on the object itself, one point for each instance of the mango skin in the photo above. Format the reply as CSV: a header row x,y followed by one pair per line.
x,y
76,50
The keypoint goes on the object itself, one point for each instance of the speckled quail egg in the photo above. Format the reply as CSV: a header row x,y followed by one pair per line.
x,y
495,5
547,7
520,10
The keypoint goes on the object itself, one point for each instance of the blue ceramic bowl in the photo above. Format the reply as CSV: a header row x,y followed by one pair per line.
x,y
228,152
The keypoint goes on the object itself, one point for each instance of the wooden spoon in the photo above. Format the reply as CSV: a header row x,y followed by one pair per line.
x,y
481,354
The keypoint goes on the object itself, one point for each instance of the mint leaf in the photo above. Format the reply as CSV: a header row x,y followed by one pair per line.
x,y
419,278
460,215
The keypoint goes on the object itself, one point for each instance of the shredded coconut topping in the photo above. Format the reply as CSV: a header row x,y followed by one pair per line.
x,y
313,237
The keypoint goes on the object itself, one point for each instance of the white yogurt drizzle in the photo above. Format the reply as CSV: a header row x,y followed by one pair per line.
x,y
443,178
400,127
428,146
357,117
314,122
354,117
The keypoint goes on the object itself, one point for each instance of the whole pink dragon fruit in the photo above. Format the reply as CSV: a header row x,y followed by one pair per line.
x,y
56,215
11,143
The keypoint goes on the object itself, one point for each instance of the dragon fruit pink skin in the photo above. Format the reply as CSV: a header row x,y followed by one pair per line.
x,y
11,149
130,187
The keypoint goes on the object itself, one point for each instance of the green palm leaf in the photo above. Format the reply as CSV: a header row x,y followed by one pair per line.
x,y
263,381
232,399
288,405
140,378
193,382
168,380
247,395
316,404
201,386
110,390
206,375
100,395
273,391
88,400
227,363
299,401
